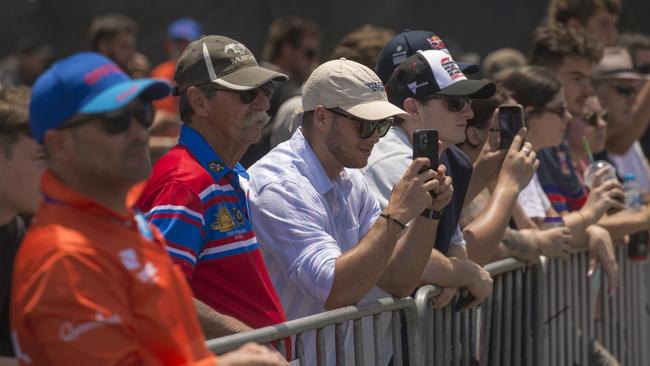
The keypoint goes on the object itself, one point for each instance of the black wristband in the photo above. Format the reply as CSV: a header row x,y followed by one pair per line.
x,y
431,214
388,217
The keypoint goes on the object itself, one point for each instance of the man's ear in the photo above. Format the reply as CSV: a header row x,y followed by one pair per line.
x,y
59,145
198,101
320,116
410,105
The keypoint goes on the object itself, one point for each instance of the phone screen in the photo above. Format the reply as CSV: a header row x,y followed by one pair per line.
x,y
511,120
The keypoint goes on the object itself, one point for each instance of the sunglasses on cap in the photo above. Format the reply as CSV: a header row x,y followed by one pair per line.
x,y
117,121
366,128
248,96
592,117
626,91
454,104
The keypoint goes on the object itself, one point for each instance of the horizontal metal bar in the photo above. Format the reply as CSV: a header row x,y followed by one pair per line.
x,y
309,323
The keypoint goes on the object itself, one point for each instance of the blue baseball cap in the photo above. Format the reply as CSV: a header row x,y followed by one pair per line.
x,y
85,83
406,44
185,28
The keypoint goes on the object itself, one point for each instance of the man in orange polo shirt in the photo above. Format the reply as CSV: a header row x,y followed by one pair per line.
x,y
93,284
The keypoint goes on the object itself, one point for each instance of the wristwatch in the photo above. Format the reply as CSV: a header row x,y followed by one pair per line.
x,y
431,214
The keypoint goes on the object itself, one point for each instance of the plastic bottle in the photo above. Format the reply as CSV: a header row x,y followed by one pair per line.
x,y
638,248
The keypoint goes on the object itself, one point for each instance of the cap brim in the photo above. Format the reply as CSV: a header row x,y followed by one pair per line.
x,y
249,78
375,110
624,75
467,68
479,89
121,94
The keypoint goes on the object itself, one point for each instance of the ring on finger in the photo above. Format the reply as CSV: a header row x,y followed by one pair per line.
x,y
526,150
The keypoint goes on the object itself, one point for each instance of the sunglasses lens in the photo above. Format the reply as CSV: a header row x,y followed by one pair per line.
x,y
120,121
456,104
384,126
366,129
248,96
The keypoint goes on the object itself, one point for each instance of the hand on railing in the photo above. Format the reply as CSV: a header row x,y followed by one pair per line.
x,y
555,242
444,297
601,250
252,354
480,287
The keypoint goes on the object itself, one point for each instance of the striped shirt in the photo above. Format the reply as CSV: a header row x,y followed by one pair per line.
x,y
200,206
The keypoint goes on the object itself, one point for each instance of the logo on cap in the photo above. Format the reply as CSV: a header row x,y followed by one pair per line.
x,y
93,76
436,43
238,52
375,86
452,69
414,86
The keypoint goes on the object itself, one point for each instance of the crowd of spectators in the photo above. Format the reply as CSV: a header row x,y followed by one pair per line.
x,y
144,210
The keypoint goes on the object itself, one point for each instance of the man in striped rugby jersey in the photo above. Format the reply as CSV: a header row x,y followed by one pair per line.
x,y
197,194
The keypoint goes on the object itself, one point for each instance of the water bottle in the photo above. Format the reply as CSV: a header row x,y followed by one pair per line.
x,y
638,248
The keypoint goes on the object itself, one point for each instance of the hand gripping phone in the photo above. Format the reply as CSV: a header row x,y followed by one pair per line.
x,y
425,144
511,120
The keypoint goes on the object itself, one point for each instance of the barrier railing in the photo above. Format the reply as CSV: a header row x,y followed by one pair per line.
x,y
338,318
548,312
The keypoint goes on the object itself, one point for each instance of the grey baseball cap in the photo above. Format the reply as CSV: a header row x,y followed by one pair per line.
x,y
223,61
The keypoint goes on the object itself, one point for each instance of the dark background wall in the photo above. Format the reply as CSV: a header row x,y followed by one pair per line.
x,y
478,25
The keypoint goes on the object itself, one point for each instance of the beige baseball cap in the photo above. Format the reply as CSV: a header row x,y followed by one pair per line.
x,y
351,87
616,64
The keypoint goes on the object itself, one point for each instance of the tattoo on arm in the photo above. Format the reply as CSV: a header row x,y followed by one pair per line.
x,y
518,246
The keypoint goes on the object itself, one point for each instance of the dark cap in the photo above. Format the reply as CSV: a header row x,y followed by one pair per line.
x,y
408,43
222,61
433,72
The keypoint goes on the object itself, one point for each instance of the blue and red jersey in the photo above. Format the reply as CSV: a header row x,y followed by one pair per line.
x,y
200,205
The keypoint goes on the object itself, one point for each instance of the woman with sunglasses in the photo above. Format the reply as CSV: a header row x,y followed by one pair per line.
x,y
591,125
540,92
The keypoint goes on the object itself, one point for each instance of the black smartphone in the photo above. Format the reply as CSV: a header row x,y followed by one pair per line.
x,y
464,298
425,144
511,120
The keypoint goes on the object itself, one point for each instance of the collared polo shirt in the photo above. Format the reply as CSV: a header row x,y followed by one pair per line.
x,y
94,287
200,206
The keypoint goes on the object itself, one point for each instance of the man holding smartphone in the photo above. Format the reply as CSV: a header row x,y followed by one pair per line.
x,y
430,86
326,242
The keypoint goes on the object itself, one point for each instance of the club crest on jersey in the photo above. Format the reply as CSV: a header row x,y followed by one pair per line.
x,y
223,221
452,69
215,166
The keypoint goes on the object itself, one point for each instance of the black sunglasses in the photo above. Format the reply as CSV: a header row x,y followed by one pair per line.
x,y
248,96
593,117
626,91
118,121
643,69
559,110
366,128
454,104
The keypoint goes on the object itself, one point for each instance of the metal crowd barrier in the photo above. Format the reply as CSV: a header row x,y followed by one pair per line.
x,y
338,318
547,312
502,331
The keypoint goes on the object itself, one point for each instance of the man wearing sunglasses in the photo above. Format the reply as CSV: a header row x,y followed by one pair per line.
x,y
91,274
430,86
197,194
326,242
625,95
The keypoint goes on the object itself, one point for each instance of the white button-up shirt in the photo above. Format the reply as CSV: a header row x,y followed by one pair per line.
x,y
304,221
